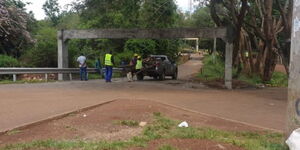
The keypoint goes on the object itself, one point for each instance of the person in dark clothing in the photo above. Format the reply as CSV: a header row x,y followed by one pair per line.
x,y
132,65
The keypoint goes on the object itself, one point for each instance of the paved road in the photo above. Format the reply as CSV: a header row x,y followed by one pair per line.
x,y
22,104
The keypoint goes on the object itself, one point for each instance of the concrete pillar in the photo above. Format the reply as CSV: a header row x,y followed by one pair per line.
x,y
63,56
228,65
293,106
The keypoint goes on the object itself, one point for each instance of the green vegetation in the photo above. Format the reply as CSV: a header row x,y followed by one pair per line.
x,y
164,128
13,132
167,147
213,69
129,123
8,61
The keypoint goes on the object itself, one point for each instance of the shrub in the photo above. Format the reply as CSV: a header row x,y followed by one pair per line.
x,y
279,79
8,61
213,68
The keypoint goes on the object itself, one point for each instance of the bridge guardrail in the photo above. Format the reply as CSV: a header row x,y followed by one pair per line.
x,y
46,71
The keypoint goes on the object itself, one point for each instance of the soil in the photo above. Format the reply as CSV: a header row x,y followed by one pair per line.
x,y
101,123
280,68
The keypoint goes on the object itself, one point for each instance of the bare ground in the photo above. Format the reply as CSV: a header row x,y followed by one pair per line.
x,y
101,123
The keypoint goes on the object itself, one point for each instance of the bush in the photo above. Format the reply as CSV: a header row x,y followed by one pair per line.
x,y
279,79
213,68
8,61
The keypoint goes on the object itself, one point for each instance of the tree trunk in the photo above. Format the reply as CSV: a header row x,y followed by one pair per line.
x,y
270,60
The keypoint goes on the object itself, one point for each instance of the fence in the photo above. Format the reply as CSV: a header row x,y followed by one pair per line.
x,y
46,71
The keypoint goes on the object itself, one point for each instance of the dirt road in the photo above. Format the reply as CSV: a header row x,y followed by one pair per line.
x,y
27,103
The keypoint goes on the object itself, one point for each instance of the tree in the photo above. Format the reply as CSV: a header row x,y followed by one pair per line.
x,y
14,35
44,52
257,25
52,11
158,13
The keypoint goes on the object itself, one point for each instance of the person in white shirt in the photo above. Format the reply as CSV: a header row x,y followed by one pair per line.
x,y
82,65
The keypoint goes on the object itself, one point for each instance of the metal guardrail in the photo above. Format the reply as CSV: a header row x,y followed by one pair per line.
x,y
46,71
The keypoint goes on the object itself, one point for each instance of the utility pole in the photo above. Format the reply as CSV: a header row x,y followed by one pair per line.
x,y
293,105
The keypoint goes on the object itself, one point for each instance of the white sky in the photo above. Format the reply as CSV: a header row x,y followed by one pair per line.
x,y
39,14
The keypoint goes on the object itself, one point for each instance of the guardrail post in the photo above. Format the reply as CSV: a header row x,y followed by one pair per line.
x,y
70,76
14,77
46,77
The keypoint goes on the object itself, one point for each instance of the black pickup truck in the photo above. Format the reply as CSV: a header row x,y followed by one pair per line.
x,y
158,67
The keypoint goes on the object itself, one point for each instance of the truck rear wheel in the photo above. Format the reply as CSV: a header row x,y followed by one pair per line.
x,y
174,77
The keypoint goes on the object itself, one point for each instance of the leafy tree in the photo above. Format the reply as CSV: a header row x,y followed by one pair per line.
x,y
110,13
159,13
14,35
52,11
44,53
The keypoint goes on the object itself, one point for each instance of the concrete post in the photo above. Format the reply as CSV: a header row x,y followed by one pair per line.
x,y
46,77
70,76
14,78
197,45
293,106
63,58
228,65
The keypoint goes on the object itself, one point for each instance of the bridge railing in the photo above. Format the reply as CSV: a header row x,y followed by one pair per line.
x,y
46,71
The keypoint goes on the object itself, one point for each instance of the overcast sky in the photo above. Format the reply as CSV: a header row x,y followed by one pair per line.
x,y
39,14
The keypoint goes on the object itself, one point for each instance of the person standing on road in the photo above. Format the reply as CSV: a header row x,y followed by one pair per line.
x,y
132,65
82,65
138,66
109,63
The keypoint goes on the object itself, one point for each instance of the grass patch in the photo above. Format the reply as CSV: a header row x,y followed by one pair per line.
x,y
279,79
167,147
252,80
213,69
164,128
13,132
129,123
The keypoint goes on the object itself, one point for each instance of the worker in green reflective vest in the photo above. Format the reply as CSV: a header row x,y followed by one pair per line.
x,y
139,64
138,67
109,63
